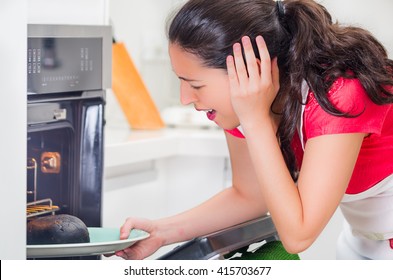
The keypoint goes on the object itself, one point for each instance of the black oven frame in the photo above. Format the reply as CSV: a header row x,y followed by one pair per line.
x,y
79,184
80,112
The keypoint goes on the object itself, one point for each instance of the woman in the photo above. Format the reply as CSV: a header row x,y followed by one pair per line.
x,y
306,106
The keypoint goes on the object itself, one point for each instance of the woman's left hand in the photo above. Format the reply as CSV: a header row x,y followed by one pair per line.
x,y
253,86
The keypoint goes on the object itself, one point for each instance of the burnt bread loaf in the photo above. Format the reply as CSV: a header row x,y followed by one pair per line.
x,y
57,229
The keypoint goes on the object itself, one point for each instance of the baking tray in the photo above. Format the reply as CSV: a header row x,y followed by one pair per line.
x,y
216,245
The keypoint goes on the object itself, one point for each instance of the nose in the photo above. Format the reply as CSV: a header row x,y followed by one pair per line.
x,y
187,94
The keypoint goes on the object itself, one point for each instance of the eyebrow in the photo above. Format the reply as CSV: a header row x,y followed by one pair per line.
x,y
189,80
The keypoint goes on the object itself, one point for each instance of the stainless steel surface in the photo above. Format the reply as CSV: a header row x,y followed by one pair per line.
x,y
32,165
215,245
82,31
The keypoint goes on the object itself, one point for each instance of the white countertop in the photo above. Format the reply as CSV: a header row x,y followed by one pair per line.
x,y
126,146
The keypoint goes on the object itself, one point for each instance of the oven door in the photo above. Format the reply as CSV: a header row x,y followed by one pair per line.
x,y
65,156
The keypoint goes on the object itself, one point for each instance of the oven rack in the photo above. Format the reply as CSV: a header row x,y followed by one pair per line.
x,y
40,207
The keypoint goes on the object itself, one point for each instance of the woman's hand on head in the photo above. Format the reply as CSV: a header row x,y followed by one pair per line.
x,y
143,248
253,85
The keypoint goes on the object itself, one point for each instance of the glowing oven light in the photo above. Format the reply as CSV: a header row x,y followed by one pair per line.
x,y
50,162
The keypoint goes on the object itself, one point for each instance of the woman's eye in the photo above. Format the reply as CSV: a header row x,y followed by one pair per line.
x,y
196,87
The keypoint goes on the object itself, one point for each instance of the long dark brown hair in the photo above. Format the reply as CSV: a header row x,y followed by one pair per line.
x,y
308,45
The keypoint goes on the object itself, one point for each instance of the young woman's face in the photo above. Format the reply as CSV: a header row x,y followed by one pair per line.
x,y
206,88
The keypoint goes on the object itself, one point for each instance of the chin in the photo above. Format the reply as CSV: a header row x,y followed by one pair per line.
x,y
226,123
228,127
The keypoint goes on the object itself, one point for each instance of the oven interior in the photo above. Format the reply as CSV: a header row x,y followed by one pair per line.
x,y
65,156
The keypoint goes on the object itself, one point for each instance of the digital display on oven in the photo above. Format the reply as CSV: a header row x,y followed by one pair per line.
x,y
63,64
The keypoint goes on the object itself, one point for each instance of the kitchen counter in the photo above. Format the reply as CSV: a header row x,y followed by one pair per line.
x,y
130,146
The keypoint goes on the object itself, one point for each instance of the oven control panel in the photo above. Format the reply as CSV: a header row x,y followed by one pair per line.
x,y
63,64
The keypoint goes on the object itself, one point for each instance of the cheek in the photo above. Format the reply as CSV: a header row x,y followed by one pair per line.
x,y
224,99
220,89
226,115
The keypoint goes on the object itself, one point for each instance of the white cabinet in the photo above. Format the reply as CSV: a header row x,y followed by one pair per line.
x,y
137,190
192,180
160,188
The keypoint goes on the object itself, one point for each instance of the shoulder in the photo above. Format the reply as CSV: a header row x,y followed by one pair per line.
x,y
346,88
349,95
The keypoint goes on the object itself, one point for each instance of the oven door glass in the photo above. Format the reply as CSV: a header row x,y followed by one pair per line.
x,y
49,164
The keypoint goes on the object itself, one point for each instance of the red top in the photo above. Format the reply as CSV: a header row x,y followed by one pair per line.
x,y
375,160
235,132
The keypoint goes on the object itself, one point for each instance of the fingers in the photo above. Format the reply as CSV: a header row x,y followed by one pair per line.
x,y
251,60
245,76
126,229
232,75
266,71
247,70
241,69
135,252
140,249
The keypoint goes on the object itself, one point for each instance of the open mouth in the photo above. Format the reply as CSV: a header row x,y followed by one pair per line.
x,y
211,114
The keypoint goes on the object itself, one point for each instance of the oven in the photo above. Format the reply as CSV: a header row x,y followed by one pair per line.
x,y
68,71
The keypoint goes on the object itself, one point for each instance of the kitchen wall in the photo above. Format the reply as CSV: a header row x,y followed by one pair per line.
x,y
140,25
373,15
13,129
86,12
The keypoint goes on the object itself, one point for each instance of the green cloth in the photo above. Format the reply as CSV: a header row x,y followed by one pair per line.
x,y
273,250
